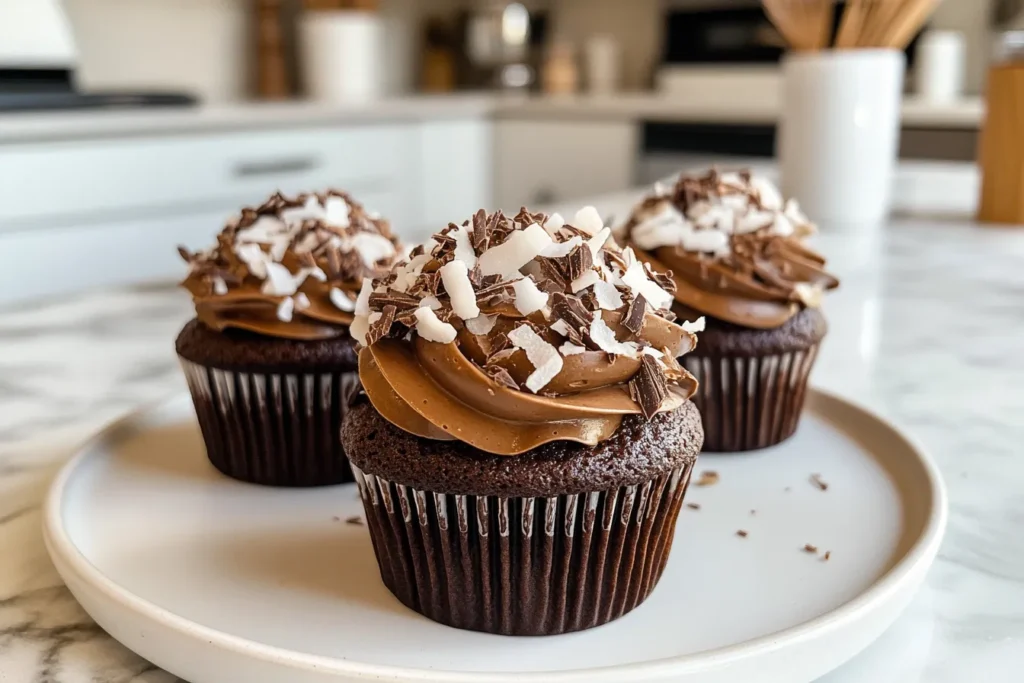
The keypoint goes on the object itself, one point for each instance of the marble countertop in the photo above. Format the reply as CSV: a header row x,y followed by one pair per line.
x,y
926,329
721,107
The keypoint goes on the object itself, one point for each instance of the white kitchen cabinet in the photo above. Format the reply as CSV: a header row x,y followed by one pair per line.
x,y
544,162
110,211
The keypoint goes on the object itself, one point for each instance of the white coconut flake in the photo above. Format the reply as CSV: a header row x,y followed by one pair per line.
x,y
561,249
301,301
220,288
431,302
809,294
570,349
311,210
608,296
717,217
529,298
285,310
588,220
561,327
636,279
455,276
280,281
482,324
336,212
363,300
695,326
371,247
754,220
341,300
661,228
358,329
464,247
707,241
554,223
597,242
546,360
651,351
605,339
588,279
521,247
432,328
254,258
771,198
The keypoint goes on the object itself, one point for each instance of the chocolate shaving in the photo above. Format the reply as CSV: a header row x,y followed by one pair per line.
x,y
636,315
381,326
808,548
554,279
185,254
501,376
579,261
399,300
570,309
355,521
819,482
828,554
707,478
649,388
501,349
663,280
742,533
693,506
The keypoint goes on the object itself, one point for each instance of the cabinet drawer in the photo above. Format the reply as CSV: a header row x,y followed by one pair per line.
x,y
72,180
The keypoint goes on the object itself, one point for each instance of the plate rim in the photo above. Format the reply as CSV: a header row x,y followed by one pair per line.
x,y
67,556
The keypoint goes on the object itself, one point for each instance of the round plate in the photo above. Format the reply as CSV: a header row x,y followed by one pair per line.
x,y
215,580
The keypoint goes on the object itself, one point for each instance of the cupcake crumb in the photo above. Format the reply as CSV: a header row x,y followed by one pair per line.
x,y
828,554
741,533
753,512
357,520
693,506
788,489
819,482
809,548
707,478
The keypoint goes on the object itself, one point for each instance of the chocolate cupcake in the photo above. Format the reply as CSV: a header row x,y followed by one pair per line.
x,y
733,248
269,359
525,438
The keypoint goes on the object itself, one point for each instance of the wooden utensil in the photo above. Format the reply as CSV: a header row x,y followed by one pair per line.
x,y
807,24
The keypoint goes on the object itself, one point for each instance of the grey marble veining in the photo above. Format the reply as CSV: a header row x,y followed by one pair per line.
x,y
926,329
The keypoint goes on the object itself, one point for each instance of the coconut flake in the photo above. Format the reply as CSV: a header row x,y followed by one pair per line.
x,y
651,351
280,281
553,224
254,258
605,339
588,220
570,349
528,297
285,310
768,194
431,302
754,220
597,242
336,212
341,300
561,327
608,296
359,327
455,277
482,324
695,326
707,241
432,328
311,210
220,287
562,249
588,279
521,247
661,228
363,300
371,247
546,360
301,301
464,247
636,279
809,294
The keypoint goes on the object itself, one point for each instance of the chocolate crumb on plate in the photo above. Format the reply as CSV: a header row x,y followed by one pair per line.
x,y
707,478
741,533
808,548
819,482
693,506
828,554
753,512
356,521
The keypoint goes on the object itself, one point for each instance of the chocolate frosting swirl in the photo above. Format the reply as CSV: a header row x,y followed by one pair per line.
x,y
290,268
732,247
508,333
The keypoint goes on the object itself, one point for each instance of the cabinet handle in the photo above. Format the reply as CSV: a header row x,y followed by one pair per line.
x,y
249,169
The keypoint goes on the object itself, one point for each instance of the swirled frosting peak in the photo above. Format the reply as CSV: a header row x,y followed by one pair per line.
x,y
510,332
733,248
291,267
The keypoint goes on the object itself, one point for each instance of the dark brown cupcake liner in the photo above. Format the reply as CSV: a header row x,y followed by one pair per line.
x,y
523,566
748,403
276,429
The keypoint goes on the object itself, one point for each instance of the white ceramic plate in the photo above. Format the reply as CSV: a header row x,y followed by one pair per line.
x,y
220,582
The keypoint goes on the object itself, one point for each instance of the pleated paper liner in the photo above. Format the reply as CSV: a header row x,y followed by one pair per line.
x,y
748,403
523,566
276,429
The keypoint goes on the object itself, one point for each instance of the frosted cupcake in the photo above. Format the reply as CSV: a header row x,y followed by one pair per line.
x,y
525,439
733,248
269,359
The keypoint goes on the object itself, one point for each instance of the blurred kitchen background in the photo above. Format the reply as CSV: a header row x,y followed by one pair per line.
x,y
129,126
